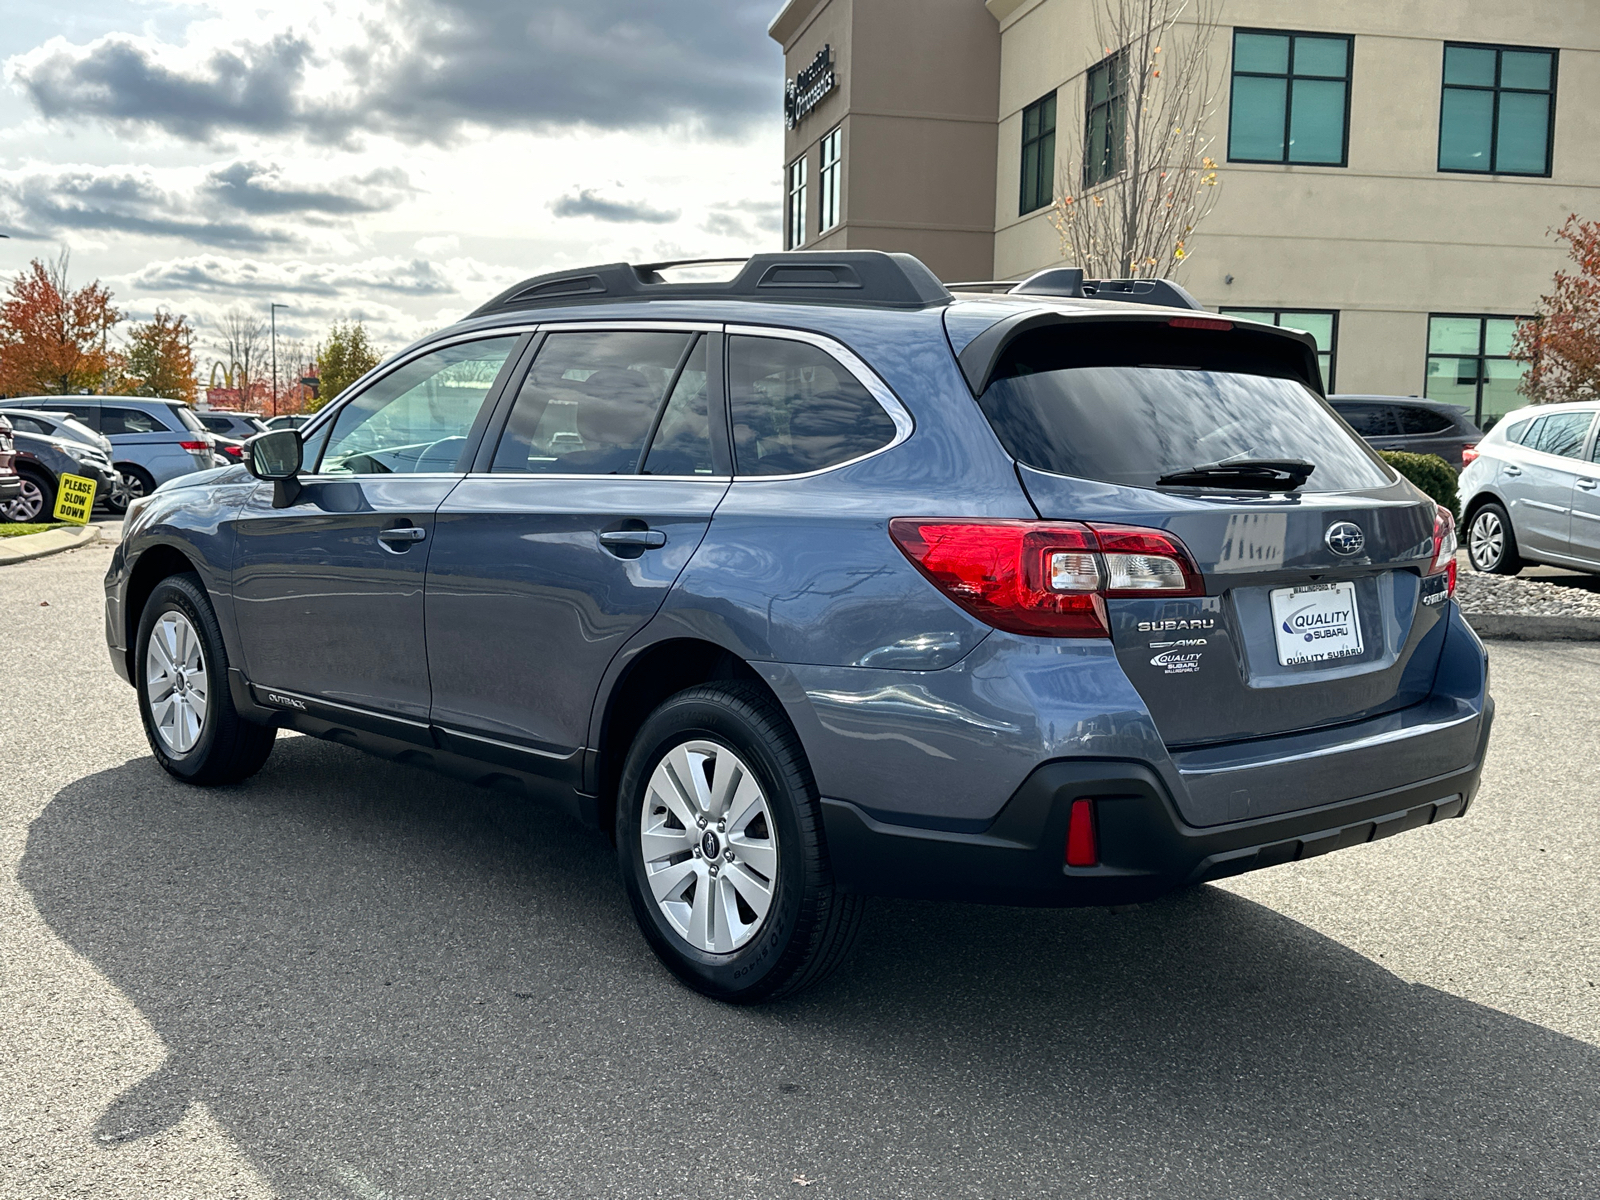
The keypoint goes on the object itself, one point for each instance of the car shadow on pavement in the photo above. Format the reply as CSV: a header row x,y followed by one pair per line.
x,y
379,981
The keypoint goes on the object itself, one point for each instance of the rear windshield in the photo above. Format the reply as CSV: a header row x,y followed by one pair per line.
x,y
187,416
1132,424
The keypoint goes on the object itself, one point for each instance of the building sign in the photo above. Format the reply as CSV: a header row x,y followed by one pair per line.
x,y
807,89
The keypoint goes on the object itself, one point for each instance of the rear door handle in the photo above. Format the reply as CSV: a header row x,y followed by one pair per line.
x,y
644,539
1589,485
1513,470
406,533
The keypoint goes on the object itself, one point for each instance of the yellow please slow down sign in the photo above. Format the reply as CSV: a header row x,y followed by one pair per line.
x,y
74,499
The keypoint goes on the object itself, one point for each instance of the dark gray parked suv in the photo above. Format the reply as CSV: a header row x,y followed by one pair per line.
x,y
824,583
1412,425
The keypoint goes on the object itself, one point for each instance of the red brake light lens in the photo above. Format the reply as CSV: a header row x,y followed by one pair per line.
x,y
1444,547
1081,848
1200,323
194,446
1045,579
1469,454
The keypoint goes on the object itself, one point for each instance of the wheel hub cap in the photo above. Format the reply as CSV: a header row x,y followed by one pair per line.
x,y
709,848
175,682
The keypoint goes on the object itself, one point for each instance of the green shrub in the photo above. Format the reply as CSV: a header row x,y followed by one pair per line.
x,y
1430,473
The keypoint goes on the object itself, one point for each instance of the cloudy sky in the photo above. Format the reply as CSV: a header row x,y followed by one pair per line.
x,y
397,161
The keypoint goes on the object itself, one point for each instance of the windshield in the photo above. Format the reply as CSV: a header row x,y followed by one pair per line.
x,y
1131,425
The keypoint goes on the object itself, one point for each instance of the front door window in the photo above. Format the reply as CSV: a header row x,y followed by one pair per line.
x,y
416,418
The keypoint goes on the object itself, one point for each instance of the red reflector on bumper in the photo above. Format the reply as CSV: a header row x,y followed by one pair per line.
x,y
1081,848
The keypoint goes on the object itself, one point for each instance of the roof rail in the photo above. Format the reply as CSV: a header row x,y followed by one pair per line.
x,y
865,277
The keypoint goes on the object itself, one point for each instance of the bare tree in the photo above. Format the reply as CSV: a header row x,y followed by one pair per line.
x,y
1138,178
242,340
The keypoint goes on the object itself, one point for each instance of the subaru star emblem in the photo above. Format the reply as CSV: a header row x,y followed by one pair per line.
x,y
1345,538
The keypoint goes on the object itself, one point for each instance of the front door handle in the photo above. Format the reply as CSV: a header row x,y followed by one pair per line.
x,y
639,539
399,539
1589,485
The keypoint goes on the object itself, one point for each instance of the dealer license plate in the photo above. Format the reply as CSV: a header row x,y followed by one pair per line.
x,y
1316,622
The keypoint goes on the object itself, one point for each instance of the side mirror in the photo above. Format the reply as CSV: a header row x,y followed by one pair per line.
x,y
276,456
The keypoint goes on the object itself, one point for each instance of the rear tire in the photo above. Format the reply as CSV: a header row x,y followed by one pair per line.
x,y
136,482
765,921
1492,543
181,675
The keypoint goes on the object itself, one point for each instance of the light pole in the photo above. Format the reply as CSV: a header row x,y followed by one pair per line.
x,y
273,311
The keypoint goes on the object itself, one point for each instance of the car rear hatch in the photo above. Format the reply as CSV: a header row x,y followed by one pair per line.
x,y
1322,602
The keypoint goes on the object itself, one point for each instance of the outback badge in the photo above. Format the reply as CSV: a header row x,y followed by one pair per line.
x,y
1345,537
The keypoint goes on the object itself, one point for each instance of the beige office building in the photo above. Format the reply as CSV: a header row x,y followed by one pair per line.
x,y
1388,172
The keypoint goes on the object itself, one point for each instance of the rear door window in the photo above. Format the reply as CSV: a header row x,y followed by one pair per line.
x,y
1423,421
1562,434
795,408
129,420
590,402
1370,420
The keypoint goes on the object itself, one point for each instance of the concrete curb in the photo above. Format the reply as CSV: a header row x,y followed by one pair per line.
x,y
1512,628
52,541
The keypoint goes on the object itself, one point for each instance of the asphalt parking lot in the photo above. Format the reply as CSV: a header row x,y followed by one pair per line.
x,y
346,978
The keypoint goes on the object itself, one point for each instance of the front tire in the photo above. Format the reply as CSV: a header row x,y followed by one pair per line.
x,y
36,501
181,675
1491,542
719,840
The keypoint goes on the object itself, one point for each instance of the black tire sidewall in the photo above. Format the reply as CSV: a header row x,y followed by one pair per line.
x,y
183,594
765,962
1508,548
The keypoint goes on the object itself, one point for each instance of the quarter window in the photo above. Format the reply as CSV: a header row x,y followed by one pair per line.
x,y
1320,324
589,403
828,181
1470,365
796,408
1038,154
1370,420
1496,114
417,417
1291,98
797,204
1106,120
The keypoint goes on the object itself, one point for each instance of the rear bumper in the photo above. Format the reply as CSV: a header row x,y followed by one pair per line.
x,y
1146,848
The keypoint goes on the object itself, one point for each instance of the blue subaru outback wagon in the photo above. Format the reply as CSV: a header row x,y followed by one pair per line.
x,y
827,582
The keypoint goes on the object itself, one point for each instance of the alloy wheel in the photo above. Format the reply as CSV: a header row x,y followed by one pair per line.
x,y
28,505
175,682
709,846
1488,540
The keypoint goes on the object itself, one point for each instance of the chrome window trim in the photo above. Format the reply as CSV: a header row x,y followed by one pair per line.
x,y
904,425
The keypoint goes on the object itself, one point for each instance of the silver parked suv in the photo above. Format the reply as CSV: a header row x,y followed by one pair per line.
x,y
1531,493
152,440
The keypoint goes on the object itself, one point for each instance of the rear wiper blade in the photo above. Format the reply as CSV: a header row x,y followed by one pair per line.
x,y
1266,474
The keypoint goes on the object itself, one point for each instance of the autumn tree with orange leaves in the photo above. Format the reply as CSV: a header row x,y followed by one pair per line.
x,y
160,359
1561,345
54,339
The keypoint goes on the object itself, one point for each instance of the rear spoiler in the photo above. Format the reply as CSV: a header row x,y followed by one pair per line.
x,y
983,354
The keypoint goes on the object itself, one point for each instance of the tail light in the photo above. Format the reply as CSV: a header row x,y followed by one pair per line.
x,y
194,447
1045,579
235,452
1444,547
1469,454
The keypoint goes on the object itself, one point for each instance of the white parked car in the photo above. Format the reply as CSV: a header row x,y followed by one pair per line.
x,y
1531,493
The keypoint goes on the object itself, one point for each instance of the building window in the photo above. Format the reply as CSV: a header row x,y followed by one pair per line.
x,y
1321,324
828,181
1038,154
1291,98
797,204
1497,113
1470,364
1104,139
